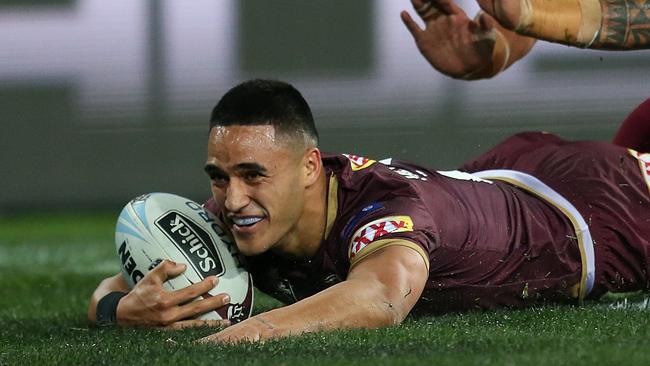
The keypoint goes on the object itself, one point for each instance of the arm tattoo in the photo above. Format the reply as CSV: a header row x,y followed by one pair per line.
x,y
625,25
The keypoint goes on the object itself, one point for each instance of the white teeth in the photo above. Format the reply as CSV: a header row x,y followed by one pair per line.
x,y
246,221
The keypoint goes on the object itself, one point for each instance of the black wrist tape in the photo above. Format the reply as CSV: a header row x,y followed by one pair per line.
x,y
107,308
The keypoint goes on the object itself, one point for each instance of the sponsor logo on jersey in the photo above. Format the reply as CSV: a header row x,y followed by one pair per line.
x,y
376,229
644,164
359,162
193,242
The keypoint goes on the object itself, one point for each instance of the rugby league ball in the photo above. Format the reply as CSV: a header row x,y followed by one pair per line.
x,y
158,226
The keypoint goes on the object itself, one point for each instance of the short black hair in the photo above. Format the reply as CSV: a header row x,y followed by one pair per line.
x,y
266,102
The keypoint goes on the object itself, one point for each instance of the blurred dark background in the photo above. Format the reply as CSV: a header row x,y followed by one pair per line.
x,y
103,100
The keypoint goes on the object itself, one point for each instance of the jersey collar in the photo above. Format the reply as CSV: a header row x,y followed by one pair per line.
x,y
332,204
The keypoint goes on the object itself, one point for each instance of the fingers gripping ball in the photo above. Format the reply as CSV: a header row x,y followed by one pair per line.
x,y
159,226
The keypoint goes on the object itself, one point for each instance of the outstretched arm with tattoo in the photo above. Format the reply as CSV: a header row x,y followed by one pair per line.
x,y
596,24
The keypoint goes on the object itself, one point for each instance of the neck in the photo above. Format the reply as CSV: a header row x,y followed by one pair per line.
x,y
307,236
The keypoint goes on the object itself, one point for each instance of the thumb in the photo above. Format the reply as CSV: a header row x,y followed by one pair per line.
x,y
485,21
486,31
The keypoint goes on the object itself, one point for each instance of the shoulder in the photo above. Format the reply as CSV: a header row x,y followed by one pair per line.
x,y
380,203
348,166
375,176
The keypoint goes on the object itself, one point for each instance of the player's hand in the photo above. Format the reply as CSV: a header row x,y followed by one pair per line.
x,y
253,329
506,12
454,44
149,304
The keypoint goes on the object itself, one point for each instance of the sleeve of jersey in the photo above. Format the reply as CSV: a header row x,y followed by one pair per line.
x,y
384,232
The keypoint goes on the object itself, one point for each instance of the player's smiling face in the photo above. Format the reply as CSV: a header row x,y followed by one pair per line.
x,y
256,178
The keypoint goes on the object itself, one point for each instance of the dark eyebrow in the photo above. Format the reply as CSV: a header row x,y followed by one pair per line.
x,y
213,171
251,166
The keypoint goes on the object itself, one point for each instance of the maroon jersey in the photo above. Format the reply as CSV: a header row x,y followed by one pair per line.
x,y
635,129
486,243
608,184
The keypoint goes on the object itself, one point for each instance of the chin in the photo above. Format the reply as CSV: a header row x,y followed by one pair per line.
x,y
249,247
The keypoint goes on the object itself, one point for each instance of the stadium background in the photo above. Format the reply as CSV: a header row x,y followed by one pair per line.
x,y
103,100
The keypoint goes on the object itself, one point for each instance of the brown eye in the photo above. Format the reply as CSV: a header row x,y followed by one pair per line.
x,y
252,176
220,181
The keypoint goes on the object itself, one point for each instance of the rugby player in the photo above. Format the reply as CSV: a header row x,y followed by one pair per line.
x,y
352,242
506,30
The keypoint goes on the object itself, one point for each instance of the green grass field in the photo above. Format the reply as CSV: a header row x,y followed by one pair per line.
x,y
50,264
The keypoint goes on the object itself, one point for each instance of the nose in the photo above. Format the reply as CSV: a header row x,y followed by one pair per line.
x,y
236,196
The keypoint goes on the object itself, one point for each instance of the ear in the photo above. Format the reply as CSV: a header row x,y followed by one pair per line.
x,y
312,166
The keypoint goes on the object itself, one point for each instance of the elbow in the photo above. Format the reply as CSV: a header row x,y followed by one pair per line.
x,y
388,314
392,280
395,307
393,316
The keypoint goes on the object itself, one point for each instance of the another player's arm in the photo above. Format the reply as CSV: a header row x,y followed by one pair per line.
x,y
461,47
148,304
596,24
380,291
509,47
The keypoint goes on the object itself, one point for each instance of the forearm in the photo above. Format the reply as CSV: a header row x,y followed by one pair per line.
x,y
380,291
108,285
596,24
349,304
625,25
519,46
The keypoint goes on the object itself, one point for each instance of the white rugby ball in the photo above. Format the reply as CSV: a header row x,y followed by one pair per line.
x,y
158,226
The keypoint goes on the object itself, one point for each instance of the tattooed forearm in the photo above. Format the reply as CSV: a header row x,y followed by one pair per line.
x,y
625,25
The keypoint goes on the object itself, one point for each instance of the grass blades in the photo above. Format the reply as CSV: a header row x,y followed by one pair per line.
x,y
49,265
